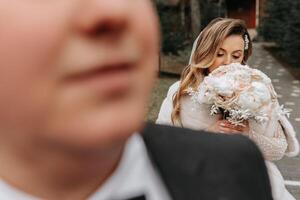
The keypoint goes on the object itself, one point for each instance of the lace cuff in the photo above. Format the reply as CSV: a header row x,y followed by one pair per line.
x,y
272,148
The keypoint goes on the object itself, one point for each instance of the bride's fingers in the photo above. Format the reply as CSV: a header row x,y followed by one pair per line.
x,y
228,131
233,129
231,126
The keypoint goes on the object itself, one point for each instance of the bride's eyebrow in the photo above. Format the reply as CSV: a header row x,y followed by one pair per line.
x,y
237,51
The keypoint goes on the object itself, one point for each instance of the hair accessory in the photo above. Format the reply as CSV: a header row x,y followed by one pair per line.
x,y
246,42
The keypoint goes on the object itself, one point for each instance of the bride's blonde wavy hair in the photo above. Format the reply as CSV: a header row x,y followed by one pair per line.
x,y
207,44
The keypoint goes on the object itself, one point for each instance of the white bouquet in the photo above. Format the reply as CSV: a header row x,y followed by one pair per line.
x,y
237,91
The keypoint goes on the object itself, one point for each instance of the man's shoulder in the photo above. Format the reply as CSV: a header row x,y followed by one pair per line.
x,y
170,137
186,149
207,165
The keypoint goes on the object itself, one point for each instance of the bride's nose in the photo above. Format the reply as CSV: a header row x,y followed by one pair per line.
x,y
227,60
103,18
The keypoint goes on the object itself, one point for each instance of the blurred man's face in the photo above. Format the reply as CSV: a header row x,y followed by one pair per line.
x,y
75,72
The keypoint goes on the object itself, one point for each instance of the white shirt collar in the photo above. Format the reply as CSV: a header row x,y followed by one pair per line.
x,y
135,175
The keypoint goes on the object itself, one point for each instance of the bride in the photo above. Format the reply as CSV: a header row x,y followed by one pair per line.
x,y
222,42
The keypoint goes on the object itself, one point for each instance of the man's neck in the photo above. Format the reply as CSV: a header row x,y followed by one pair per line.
x,y
50,174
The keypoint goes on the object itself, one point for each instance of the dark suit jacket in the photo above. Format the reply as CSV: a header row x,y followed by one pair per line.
x,y
206,166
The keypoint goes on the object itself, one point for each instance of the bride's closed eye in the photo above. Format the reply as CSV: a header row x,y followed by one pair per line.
x,y
236,56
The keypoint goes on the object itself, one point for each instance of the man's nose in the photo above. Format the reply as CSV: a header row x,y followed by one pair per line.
x,y
107,18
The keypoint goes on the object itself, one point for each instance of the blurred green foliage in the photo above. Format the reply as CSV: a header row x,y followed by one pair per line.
x,y
174,35
176,31
281,24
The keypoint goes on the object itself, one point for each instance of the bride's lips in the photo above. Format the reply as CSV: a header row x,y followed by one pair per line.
x,y
104,78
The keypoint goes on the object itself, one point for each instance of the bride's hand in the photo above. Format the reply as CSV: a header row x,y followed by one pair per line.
x,y
224,126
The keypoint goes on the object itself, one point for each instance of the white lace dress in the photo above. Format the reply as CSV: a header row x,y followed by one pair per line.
x,y
275,138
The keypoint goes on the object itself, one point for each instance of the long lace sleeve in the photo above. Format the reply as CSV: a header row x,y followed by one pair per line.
x,y
272,148
271,136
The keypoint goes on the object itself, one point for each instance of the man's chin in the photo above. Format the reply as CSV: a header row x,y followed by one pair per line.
x,y
96,136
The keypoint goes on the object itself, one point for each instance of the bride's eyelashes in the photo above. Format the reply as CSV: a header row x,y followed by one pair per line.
x,y
236,57
220,54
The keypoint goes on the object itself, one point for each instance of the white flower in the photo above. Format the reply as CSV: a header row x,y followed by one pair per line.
x,y
261,92
248,101
223,85
238,90
242,76
284,111
214,110
264,78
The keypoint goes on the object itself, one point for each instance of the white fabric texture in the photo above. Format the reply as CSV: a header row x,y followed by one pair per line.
x,y
134,176
8,192
272,137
